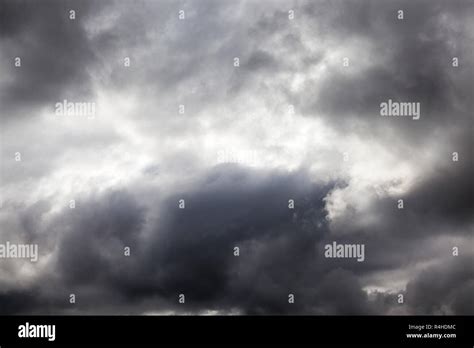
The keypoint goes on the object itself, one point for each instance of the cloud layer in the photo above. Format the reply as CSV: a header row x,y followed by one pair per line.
x,y
238,110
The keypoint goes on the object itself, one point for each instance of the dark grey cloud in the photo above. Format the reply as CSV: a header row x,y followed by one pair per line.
x,y
439,206
409,60
443,289
246,212
56,55
190,251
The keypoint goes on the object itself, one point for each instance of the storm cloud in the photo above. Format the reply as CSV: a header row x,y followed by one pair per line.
x,y
232,141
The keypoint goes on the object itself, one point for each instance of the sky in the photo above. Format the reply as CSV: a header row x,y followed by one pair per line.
x,y
207,117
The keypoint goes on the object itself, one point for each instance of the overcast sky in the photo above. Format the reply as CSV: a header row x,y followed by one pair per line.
x,y
236,108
